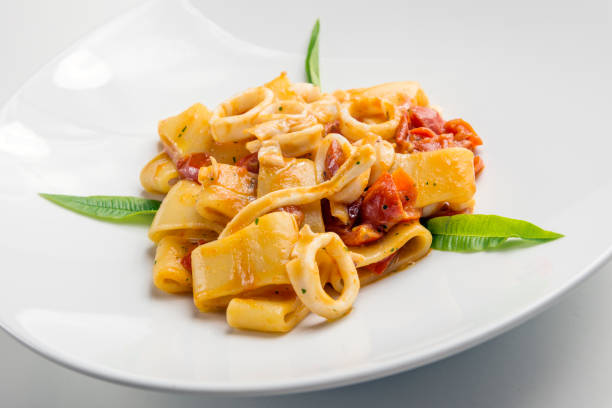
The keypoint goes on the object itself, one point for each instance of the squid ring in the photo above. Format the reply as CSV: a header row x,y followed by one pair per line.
x,y
232,118
303,273
362,116
294,144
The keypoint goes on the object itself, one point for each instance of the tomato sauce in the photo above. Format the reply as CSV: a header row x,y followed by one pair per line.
x,y
333,159
478,165
293,209
386,202
332,127
188,167
426,117
381,266
250,162
186,260
463,131
382,206
423,130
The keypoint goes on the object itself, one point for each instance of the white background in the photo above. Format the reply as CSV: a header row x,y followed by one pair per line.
x,y
559,359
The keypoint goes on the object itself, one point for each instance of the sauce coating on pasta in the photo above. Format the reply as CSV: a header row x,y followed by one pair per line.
x,y
289,199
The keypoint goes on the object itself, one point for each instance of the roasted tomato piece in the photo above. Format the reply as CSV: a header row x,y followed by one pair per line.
x,y
463,131
292,209
425,140
382,206
406,188
333,159
426,117
478,165
380,266
332,127
249,162
186,260
359,235
402,134
188,167
422,133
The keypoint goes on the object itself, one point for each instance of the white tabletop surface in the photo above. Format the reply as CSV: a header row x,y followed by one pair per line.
x,y
559,359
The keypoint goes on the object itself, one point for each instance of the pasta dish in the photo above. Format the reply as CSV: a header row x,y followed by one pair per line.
x,y
284,200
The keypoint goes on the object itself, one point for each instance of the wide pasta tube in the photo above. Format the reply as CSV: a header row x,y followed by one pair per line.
x,y
252,258
158,175
232,118
304,275
228,153
277,173
187,132
242,226
169,274
220,204
445,175
393,241
278,310
226,189
177,215
362,158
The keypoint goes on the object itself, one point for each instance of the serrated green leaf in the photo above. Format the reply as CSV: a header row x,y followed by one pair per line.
x,y
113,208
312,58
478,232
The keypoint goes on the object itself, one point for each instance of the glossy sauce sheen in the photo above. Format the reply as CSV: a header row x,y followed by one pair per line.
x,y
333,159
422,130
186,260
387,202
249,162
188,167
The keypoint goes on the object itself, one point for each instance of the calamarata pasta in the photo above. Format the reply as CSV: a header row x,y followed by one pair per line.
x,y
284,200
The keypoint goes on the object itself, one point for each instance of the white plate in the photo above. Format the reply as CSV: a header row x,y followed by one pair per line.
x,y
533,79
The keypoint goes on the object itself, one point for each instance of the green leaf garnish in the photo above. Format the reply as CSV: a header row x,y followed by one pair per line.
x,y
312,58
478,232
113,208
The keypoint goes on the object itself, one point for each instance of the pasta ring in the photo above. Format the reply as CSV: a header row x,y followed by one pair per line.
x,y
303,272
159,174
232,118
360,117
